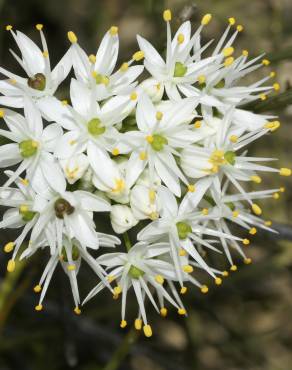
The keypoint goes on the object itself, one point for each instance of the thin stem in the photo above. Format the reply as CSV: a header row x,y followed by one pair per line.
x,y
122,351
127,241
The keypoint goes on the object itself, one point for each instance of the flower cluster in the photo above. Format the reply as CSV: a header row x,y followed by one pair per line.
x,y
165,156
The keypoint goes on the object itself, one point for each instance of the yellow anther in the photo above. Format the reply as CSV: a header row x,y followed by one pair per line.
x,y
115,151
138,324
39,26
276,86
11,266
149,139
205,211
276,196
285,172
268,223
191,188
201,79
182,252
245,53
204,289
181,311
282,189
72,142
133,96
111,278
77,311
12,81
34,144
9,247
232,21
233,268
152,196
266,62
233,138
113,30
163,312
263,97
8,27
37,288
256,209
64,102
24,182
276,125
72,37
147,331
45,53
167,15
198,124
218,281
228,61
239,28
247,261
23,208
183,290
2,113
225,273
143,156
123,324
227,52
257,179
159,279
253,231
117,290
124,67
206,19
38,307
92,58
180,38
105,80
272,74
235,214
120,186
245,241
139,55
159,115
71,267
188,269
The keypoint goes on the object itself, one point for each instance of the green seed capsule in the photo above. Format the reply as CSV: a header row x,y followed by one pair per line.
x,y
95,127
37,82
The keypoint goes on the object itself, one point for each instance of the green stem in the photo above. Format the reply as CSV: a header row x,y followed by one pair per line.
x,y
127,241
122,351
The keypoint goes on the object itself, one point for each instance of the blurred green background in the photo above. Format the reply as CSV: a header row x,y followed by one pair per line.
x,y
243,324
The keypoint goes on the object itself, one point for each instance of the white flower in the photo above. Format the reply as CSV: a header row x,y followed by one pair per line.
x,y
74,167
122,218
41,81
156,143
153,89
31,144
97,71
144,203
183,227
141,268
87,122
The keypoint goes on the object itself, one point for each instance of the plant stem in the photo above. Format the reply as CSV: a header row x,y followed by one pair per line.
x,y
127,241
122,351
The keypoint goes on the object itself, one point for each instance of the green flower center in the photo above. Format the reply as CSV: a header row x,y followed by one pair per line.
x,y
37,82
62,207
100,79
26,214
75,254
179,70
135,272
28,148
183,229
230,157
95,127
158,142
220,84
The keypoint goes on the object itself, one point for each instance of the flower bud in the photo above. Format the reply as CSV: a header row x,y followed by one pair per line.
x,y
153,89
122,218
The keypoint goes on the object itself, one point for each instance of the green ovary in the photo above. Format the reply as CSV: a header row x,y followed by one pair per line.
x,y
230,157
75,254
95,127
135,272
179,70
28,148
158,142
183,229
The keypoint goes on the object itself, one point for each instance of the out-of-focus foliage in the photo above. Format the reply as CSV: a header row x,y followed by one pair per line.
x,y
245,323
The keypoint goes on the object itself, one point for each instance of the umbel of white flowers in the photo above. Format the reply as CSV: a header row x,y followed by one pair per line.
x,y
170,150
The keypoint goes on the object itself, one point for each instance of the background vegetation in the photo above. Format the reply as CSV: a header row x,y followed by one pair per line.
x,y
244,324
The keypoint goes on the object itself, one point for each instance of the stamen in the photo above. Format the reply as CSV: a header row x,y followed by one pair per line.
x,y
266,62
163,312
72,37
147,331
71,267
227,52
159,279
239,28
233,268
263,97
123,324
233,138
218,281
182,252
8,27
167,15
245,242
39,26
256,209
256,179
11,265
139,55
253,231
183,290
115,152
201,79
9,247
114,30
38,307
247,261
225,273
92,58
276,86
159,115
181,311
149,139
188,269
134,96
138,324
204,289
143,156
276,196
2,113
235,214
206,19
180,38
268,223
124,67
198,124
228,61
232,21
245,53
37,288
191,188
285,172
77,310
